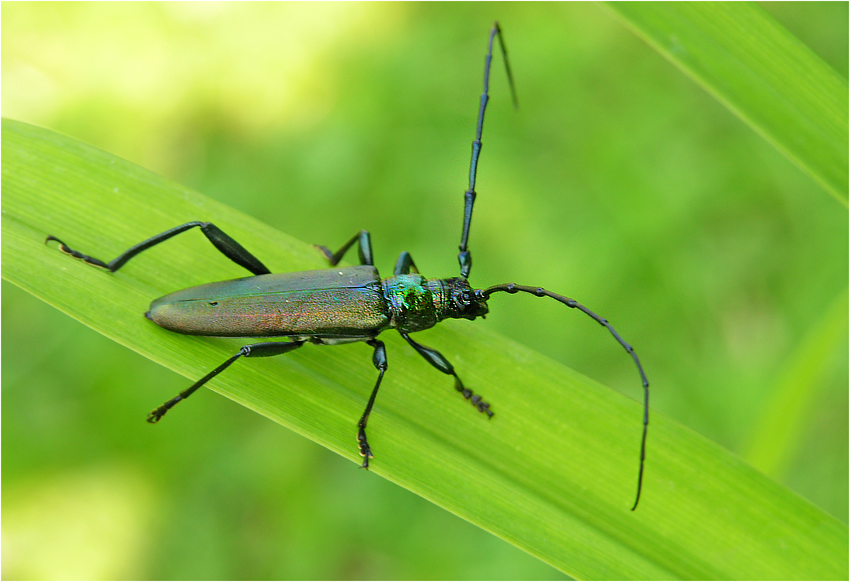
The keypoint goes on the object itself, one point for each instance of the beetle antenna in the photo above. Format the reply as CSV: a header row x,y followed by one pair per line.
x,y
464,258
541,292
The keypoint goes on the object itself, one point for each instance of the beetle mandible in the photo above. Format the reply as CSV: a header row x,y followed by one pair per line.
x,y
340,305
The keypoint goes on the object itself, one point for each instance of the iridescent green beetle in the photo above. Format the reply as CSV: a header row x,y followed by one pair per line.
x,y
339,305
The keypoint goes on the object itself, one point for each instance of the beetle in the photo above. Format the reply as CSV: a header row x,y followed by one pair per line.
x,y
343,304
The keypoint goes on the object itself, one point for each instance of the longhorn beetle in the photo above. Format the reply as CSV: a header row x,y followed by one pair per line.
x,y
340,305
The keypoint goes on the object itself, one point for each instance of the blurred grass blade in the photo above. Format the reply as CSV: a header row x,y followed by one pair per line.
x,y
554,472
775,438
760,71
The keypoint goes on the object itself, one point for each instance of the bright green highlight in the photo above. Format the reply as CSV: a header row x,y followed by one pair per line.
x,y
799,385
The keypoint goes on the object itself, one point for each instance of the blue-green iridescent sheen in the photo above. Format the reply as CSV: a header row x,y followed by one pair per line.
x,y
344,302
416,303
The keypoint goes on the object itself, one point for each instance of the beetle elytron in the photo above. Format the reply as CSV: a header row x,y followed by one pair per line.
x,y
339,305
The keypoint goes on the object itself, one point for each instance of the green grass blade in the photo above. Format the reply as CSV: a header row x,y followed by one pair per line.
x,y
761,72
782,425
553,473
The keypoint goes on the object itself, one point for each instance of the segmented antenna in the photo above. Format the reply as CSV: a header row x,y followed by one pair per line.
x,y
541,292
464,257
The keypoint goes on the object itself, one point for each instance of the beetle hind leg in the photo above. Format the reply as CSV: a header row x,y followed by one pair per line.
x,y
224,243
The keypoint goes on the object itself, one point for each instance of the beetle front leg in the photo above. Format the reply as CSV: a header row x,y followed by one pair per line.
x,y
364,248
261,350
379,359
439,361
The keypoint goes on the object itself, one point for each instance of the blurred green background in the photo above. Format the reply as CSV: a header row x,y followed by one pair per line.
x,y
618,182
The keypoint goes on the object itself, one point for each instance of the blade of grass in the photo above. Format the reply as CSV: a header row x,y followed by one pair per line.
x,y
761,72
553,473
783,421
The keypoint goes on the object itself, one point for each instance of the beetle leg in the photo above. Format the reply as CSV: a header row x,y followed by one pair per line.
x,y
379,359
364,248
261,350
439,361
405,265
228,247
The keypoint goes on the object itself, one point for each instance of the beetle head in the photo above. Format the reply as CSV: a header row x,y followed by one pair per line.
x,y
466,302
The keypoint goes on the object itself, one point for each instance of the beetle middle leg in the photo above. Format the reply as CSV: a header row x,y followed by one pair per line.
x,y
364,249
379,359
405,265
259,350
439,361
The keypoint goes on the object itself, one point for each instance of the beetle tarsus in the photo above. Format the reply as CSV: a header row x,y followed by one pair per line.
x,y
365,450
156,415
475,399
77,254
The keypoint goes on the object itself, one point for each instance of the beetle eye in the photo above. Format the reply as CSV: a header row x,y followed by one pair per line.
x,y
462,299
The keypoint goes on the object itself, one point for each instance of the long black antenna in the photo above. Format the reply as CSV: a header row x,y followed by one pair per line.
x,y
541,292
464,258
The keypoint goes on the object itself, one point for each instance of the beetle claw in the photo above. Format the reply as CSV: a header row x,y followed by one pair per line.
x,y
155,415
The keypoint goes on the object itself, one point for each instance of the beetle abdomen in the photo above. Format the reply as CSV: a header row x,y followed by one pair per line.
x,y
345,302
